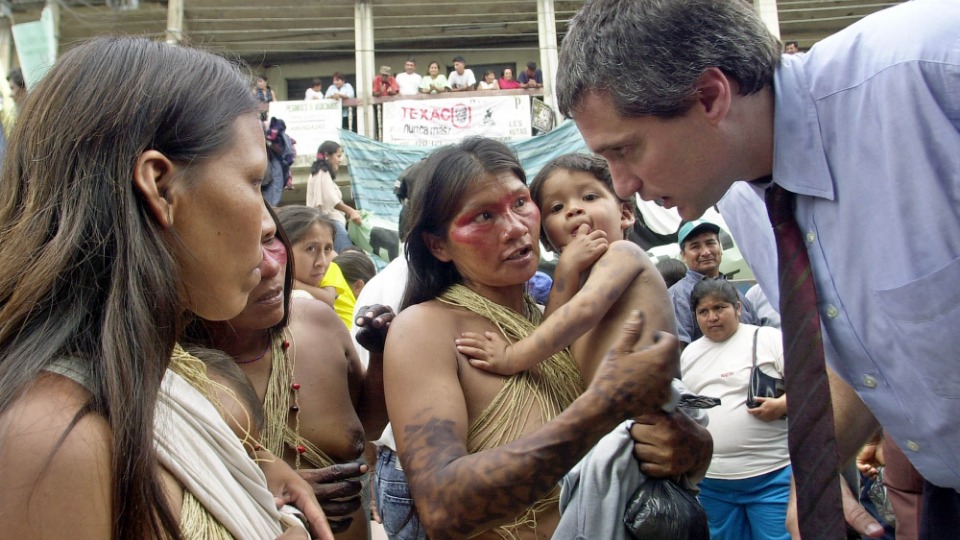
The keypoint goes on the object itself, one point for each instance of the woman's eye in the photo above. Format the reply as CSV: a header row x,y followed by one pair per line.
x,y
483,216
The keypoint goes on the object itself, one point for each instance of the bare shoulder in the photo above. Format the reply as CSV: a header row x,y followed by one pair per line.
x,y
626,248
56,468
311,312
316,327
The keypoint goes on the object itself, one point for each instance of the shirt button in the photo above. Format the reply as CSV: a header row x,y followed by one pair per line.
x,y
869,381
811,237
912,446
832,312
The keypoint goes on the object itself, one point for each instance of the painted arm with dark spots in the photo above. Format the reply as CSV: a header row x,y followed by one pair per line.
x,y
458,494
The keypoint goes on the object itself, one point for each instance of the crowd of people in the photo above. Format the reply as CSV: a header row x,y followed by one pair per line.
x,y
181,358
410,83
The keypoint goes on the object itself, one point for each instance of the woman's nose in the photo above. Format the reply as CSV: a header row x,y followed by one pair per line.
x,y
268,227
515,227
271,264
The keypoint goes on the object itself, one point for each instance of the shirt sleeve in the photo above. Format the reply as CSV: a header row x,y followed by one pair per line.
x,y
684,315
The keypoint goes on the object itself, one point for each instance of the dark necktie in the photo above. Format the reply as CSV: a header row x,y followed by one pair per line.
x,y
813,446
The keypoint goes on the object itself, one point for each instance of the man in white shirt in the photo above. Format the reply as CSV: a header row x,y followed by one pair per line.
x,y
409,80
340,89
460,78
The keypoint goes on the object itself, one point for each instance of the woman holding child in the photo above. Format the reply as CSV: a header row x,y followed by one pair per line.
x,y
483,452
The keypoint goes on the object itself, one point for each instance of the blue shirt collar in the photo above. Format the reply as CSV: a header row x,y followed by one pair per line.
x,y
799,160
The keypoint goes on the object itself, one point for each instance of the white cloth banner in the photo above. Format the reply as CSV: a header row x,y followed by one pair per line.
x,y
437,122
310,123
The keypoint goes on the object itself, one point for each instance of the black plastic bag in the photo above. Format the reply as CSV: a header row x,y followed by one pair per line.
x,y
662,510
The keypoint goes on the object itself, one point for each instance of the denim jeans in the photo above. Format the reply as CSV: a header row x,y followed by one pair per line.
x,y
341,239
393,499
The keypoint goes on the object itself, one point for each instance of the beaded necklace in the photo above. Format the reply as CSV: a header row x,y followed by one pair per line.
x,y
260,357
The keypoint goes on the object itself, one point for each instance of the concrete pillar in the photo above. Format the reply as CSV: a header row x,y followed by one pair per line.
x,y
768,12
363,30
547,27
174,33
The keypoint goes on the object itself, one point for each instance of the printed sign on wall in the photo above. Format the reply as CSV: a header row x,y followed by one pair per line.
x,y
437,122
309,123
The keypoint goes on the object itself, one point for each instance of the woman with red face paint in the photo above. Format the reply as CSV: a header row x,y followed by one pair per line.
x,y
318,400
482,452
747,486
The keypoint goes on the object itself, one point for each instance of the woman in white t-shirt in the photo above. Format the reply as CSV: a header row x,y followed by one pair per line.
x,y
324,193
747,486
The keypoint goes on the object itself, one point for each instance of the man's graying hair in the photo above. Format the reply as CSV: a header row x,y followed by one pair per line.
x,y
647,54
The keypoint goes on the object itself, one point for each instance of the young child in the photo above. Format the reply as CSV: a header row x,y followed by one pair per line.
x,y
599,281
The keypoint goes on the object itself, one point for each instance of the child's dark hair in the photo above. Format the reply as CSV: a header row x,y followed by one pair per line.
x,y
222,366
297,219
355,265
327,149
672,270
718,287
587,163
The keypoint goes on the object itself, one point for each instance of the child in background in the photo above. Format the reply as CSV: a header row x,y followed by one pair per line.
x,y
600,277
312,236
489,81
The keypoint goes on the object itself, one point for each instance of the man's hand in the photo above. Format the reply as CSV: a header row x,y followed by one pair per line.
x,y
337,488
669,444
856,516
769,409
870,458
372,324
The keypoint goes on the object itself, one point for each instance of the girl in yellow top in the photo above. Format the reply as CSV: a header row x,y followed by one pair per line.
x,y
315,273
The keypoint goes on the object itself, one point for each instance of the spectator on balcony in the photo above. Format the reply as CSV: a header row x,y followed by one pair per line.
x,y
489,81
409,80
434,82
385,84
340,90
531,77
507,82
460,78
791,47
315,91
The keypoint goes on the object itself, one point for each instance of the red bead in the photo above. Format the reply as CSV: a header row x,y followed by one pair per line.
x,y
295,386
301,448
285,345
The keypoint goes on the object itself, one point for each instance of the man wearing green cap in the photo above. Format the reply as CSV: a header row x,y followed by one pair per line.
x,y
701,251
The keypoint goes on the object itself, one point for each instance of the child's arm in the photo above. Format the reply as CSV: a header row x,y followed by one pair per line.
x,y
576,259
608,279
327,295
491,352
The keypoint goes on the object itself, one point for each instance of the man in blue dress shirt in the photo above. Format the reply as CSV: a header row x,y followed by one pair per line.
x,y
864,129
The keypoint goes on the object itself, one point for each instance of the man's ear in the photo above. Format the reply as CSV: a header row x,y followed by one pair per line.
x,y
627,218
714,94
437,246
153,176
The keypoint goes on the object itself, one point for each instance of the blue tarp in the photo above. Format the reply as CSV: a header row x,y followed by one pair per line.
x,y
375,166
